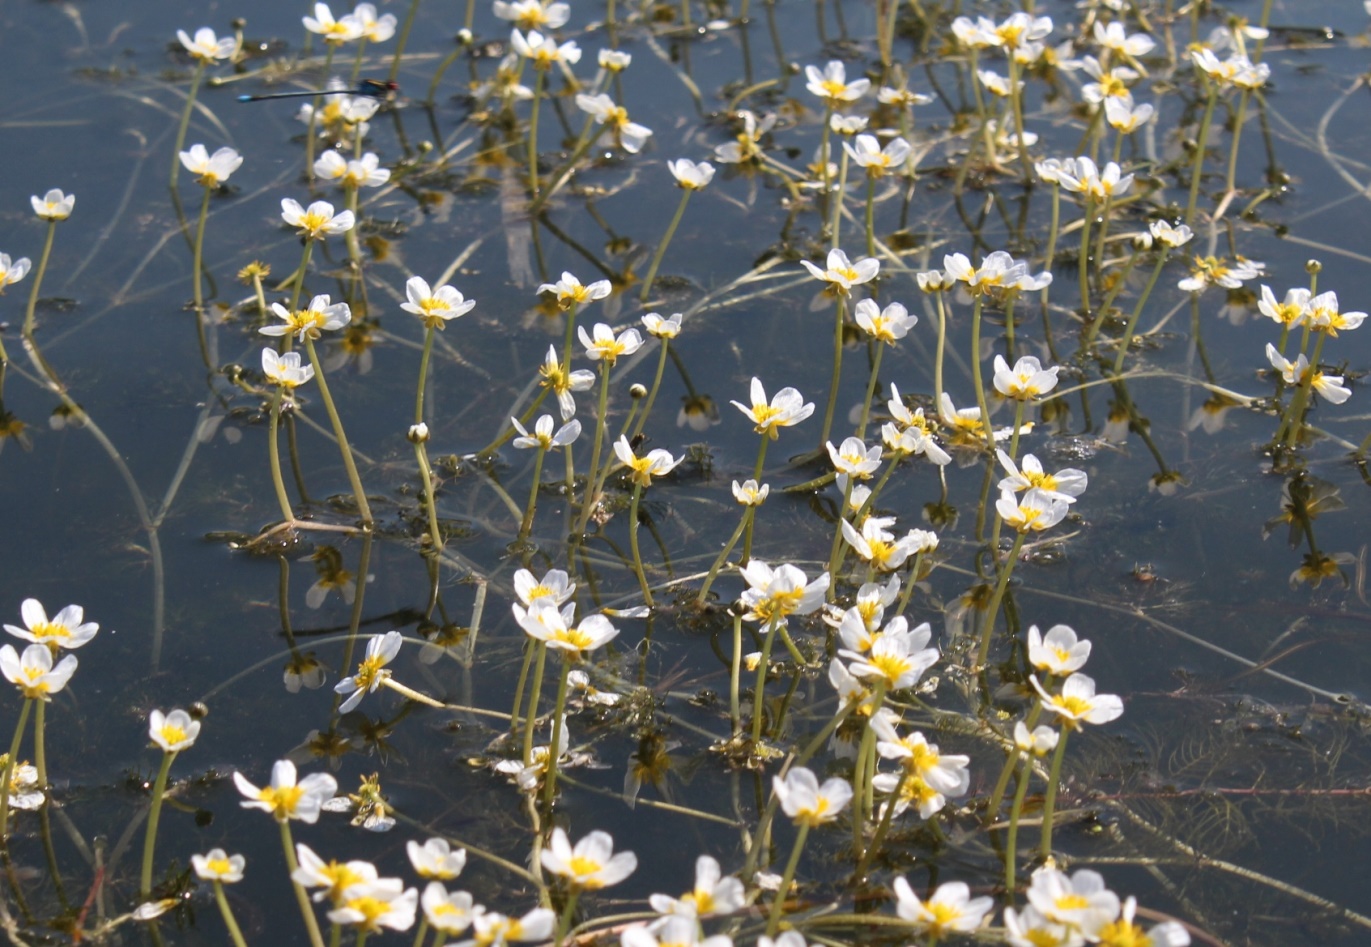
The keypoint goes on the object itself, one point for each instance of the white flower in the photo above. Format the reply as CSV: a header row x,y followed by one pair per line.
x,y
545,622
997,84
786,409
841,273
321,316
1065,485
998,270
33,672
776,593
1041,741
12,272
672,931
1078,702
657,463
24,791
630,134
1210,271
1080,901
543,437
358,172
1112,36
712,895
1059,652
54,205
866,152
605,345
879,547
1324,315
372,28
1125,931
887,325
1328,387
847,124
902,98
563,382
1028,928
1026,380
495,930
205,47
534,14
372,905
570,292
748,493
333,877
371,673
592,864
808,803
435,306
333,31
435,860
1124,117
690,175
285,370
1034,512
747,146
173,732
318,221
285,798
897,660
542,50
1081,176
950,910
218,866
556,586
211,170
614,60
66,630
661,328
832,86
1170,236
451,913
855,458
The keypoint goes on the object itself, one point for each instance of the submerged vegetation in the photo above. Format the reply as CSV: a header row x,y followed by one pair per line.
x,y
592,626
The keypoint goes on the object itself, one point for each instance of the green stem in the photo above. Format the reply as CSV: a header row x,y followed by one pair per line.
x,y
38,280
838,199
10,763
1014,435
633,545
311,137
870,389
40,747
227,912
550,784
1201,142
1001,784
652,392
348,462
871,207
1050,802
735,673
1132,325
533,135
837,375
759,690
1085,258
588,501
1012,838
300,280
883,828
274,455
316,939
666,241
756,475
994,609
1237,137
1016,101
938,361
527,522
976,374
403,39
199,255
159,788
744,521
530,648
531,715
185,122
773,921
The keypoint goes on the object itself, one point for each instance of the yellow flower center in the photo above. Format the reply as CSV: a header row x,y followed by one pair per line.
x,y
1075,706
369,672
1122,933
833,89
944,915
312,221
891,666
370,908
1071,902
583,868
172,734
283,800
219,866
47,629
575,637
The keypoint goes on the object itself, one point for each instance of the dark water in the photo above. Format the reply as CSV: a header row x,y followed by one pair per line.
x,y
1215,756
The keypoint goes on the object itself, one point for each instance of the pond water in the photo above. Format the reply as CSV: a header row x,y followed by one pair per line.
x,y
1230,795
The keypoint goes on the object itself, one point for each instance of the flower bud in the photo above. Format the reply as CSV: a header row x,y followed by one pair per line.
x,y
637,390
418,433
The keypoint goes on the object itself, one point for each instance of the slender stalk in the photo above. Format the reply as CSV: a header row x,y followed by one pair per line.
x,y
1085,258
199,255
871,212
942,346
883,828
40,747
316,939
1050,802
993,807
550,783
1201,142
357,61
759,690
666,241
1132,325
219,898
311,136
300,279
274,455
1237,137
756,475
836,378
530,648
838,199
38,280
735,673
420,450
531,715
185,122
994,608
1011,843
870,389
404,38
527,523
743,522
1014,436
1016,102
976,374
633,545
652,392
773,920
533,134
12,761
159,789
348,462
588,501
